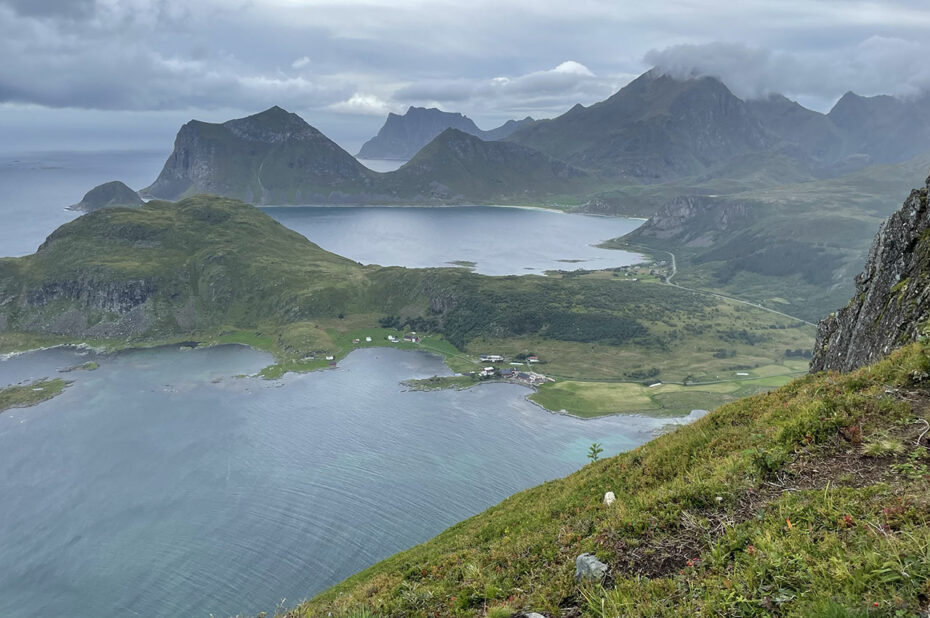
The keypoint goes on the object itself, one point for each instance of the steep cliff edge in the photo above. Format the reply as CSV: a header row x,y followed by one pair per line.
x,y
892,299
273,157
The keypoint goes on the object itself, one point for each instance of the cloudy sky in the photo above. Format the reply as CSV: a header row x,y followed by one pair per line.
x,y
128,72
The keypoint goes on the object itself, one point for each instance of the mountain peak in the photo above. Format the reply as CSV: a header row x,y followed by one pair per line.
x,y
402,137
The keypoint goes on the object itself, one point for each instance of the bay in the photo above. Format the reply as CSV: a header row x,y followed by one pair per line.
x,y
163,485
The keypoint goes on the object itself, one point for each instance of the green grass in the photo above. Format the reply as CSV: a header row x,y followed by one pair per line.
x,y
438,383
24,395
591,399
770,505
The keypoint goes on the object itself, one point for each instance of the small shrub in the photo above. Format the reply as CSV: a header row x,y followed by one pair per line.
x,y
884,447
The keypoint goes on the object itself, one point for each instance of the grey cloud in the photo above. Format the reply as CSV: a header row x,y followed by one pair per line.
x,y
69,9
367,56
546,92
876,65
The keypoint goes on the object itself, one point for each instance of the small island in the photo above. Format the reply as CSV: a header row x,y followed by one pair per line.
x,y
33,393
114,193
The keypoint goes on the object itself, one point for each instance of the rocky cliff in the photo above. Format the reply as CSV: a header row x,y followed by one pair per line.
x,y
892,301
273,157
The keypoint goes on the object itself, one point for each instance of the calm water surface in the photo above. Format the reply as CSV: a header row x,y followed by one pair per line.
x,y
499,241
163,485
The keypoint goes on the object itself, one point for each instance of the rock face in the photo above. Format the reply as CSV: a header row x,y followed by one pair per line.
x,y
273,157
589,568
114,193
402,137
695,220
892,294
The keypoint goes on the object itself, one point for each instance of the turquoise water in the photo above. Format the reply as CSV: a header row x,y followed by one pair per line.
x,y
163,485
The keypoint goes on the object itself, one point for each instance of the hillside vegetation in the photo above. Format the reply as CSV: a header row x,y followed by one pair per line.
x,y
220,271
811,500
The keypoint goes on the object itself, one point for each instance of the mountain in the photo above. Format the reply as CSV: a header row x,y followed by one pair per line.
x,y
661,128
273,157
883,128
801,132
114,193
892,300
656,128
458,166
402,137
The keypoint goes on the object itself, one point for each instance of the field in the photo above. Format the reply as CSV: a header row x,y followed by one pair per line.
x,y
590,399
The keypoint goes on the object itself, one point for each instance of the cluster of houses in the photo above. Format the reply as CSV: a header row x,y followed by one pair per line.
x,y
409,337
530,378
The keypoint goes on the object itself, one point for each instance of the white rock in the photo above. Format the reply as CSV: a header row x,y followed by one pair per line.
x,y
609,498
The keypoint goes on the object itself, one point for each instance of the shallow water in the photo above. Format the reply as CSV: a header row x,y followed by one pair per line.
x,y
163,485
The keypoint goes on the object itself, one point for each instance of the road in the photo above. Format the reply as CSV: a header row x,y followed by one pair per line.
x,y
668,280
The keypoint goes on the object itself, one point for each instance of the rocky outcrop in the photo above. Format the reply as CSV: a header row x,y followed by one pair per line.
x,y
114,193
892,300
695,220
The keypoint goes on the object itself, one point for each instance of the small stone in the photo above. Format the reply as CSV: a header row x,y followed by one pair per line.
x,y
589,568
719,498
609,498
534,615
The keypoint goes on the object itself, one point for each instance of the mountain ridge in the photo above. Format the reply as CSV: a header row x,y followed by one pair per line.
x,y
403,136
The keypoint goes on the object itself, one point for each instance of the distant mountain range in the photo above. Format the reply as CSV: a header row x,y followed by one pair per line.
x,y
686,136
402,137
275,157
658,129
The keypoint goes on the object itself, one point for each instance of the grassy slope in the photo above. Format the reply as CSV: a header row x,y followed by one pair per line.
x,y
810,500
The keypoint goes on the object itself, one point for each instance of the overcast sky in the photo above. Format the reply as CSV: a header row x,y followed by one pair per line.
x,y
128,72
